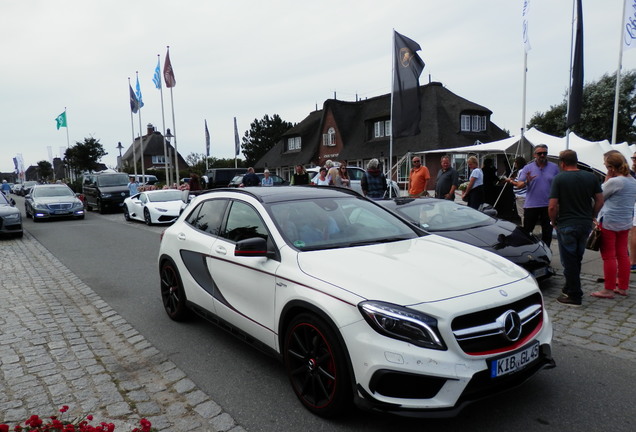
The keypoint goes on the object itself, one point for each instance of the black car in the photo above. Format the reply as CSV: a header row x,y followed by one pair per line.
x,y
105,191
51,201
10,217
278,181
467,225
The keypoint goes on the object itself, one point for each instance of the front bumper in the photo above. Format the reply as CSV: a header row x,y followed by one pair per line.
x,y
401,378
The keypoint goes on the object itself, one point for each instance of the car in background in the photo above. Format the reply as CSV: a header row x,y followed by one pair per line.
x,y
10,217
220,177
105,191
355,177
358,303
467,225
25,187
15,188
154,207
278,181
145,180
52,201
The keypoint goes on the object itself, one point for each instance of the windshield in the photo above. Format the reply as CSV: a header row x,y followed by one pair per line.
x,y
333,223
442,215
4,200
54,191
113,180
165,195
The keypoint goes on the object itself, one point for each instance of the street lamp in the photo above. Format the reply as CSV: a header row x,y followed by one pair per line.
x,y
119,147
170,152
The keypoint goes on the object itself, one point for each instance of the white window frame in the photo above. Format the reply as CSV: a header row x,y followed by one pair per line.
x,y
159,159
293,143
329,139
465,123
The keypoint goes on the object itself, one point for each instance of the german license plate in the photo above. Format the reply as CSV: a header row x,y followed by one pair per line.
x,y
515,361
60,212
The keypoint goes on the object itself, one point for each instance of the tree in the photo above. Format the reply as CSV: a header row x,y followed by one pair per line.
x,y
85,156
262,136
597,115
45,170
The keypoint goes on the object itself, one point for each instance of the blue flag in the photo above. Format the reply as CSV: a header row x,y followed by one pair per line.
x,y
138,94
157,76
134,103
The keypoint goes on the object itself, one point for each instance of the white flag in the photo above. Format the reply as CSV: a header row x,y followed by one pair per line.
x,y
524,13
629,25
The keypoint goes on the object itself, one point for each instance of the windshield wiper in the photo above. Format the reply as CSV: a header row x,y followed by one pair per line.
x,y
378,241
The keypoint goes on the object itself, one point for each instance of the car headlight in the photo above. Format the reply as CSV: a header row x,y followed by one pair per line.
x,y
402,323
162,210
106,195
12,217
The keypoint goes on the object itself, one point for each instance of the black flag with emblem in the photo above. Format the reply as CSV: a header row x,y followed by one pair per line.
x,y
406,109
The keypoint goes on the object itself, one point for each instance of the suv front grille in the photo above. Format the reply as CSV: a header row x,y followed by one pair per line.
x,y
501,328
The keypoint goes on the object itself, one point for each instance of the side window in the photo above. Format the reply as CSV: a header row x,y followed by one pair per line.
x,y
243,222
208,216
143,198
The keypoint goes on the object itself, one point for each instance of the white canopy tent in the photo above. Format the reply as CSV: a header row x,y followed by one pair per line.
x,y
590,153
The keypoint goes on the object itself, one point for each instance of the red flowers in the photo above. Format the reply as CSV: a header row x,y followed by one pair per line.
x,y
36,424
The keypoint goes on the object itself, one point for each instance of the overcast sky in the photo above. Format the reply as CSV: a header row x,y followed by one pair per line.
x,y
248,58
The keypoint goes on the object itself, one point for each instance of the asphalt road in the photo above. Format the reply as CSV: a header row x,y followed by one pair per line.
x,y
117,259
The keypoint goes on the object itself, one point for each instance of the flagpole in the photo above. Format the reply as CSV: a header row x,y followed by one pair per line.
x,y
567,131
618,79
141,134
391,113
68,142
163,119
132,127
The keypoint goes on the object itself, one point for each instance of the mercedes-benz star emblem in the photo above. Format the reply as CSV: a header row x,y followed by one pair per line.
x,y
510,325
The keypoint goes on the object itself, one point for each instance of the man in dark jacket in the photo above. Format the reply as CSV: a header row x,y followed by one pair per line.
x,y
373,183
250,179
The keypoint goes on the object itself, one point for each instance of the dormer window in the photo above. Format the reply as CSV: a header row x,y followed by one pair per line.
x,y
329,139
473,123
293,143
382,128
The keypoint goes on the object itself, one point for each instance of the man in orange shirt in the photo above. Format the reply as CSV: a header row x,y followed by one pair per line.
x,y
418,178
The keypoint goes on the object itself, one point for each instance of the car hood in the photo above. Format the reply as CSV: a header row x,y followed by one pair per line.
x,y
123,190
6,210
502,237
56,200
166,205
425,269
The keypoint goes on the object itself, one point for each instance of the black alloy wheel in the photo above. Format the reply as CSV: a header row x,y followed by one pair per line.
x,y
147,217
172,292
126,213
316,366
100,207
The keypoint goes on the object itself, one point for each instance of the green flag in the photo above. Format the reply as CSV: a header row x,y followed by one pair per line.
x,y
61,120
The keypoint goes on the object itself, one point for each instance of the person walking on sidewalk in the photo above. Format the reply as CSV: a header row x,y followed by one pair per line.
x,y
576,198
616,219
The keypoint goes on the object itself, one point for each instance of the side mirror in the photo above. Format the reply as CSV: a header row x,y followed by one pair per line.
x,y
252,247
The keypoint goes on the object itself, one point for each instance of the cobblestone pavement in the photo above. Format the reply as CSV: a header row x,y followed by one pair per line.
x,y
61,344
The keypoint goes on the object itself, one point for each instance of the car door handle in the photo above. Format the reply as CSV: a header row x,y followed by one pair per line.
x,y
181,236
220,250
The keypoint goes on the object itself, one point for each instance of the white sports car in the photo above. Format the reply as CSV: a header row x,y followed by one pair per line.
x,y
156,206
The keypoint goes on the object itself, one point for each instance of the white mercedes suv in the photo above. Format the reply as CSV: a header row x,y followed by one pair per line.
x,y
359,304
